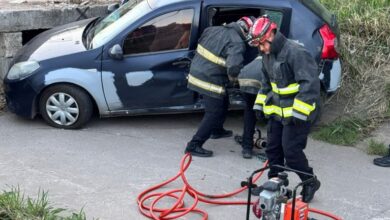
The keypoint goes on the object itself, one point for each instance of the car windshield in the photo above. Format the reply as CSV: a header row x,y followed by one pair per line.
x,y
117,21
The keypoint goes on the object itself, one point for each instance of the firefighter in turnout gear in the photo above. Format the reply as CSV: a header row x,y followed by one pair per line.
x,y
288,96
250,83
218,60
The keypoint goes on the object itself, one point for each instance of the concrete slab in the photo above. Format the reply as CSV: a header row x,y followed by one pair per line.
x,y
14,5
19,16
106,165
4,65
45,18
10,43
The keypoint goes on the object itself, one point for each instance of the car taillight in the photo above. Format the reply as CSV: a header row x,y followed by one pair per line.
x,y
330,43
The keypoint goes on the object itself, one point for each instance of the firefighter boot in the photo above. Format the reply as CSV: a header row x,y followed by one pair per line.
x,y
196,149
309,190
382,161
221,134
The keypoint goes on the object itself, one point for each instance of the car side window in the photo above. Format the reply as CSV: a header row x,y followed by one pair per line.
x,y
275,16
170,31
225,15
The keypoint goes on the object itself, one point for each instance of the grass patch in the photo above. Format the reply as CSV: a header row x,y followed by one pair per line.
x,y
377,148
341,132
365,53
387,114
15,206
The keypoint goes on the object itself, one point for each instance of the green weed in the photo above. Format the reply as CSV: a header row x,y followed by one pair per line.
x,y
365,53
377,148
341,132
15,206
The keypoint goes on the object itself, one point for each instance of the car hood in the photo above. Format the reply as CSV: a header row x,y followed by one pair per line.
x,y
56,42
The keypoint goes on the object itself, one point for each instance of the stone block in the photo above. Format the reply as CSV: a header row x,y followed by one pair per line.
x,y
4,65
15,21
10,43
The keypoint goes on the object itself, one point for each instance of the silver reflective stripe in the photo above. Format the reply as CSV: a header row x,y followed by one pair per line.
x,y
208,55
249,82
300,116
205,85
258,107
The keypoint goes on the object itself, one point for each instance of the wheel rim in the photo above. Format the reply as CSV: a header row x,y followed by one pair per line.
x,y
62,109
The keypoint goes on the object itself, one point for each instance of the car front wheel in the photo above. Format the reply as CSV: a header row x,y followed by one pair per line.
x,y
65,106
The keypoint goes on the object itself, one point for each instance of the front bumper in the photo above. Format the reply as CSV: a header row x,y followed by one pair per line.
x,y
20,98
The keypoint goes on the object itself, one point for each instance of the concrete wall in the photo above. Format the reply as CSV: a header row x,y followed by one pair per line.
x,y
13,22
10,43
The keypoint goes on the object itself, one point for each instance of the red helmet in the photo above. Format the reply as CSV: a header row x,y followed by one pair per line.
x,y
261,30
245,23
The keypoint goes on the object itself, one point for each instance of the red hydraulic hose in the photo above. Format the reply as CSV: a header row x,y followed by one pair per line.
x,y
178,209
323,213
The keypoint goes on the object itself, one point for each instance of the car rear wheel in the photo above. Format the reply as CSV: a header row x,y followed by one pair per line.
x,y
65,106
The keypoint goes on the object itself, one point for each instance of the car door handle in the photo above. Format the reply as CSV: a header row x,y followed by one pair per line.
x,y
182,62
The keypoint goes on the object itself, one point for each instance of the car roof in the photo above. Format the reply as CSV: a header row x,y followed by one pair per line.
x,y
160,3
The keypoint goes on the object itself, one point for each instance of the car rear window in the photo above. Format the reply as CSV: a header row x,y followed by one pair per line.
x,y
225,15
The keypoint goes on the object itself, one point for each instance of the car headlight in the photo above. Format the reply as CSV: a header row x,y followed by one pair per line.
x,y
22,69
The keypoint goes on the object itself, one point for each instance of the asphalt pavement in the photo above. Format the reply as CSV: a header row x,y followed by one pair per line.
x,y
103,167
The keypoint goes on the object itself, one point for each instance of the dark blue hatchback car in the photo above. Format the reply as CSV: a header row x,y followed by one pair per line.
x,y
136,60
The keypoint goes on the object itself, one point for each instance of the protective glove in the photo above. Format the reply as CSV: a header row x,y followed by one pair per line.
x,y
233,80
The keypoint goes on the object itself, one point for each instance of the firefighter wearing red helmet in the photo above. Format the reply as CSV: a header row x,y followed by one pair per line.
x,y
218,59
289,92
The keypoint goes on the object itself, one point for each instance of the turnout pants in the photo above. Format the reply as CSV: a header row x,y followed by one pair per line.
x,y
213,119
285,145
249,121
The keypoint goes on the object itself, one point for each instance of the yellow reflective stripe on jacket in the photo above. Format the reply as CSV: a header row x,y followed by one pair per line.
x,y
282,112
290,89
303,107
260,99
287,112
210,56
205,85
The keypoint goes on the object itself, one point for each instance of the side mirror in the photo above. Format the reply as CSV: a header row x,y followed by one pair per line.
x,y
112,8
116,52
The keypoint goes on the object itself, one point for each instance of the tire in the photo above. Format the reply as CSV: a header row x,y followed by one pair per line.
x,y
65,106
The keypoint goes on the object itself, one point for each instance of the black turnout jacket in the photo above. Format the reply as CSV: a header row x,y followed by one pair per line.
x,y
290,86
219,56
